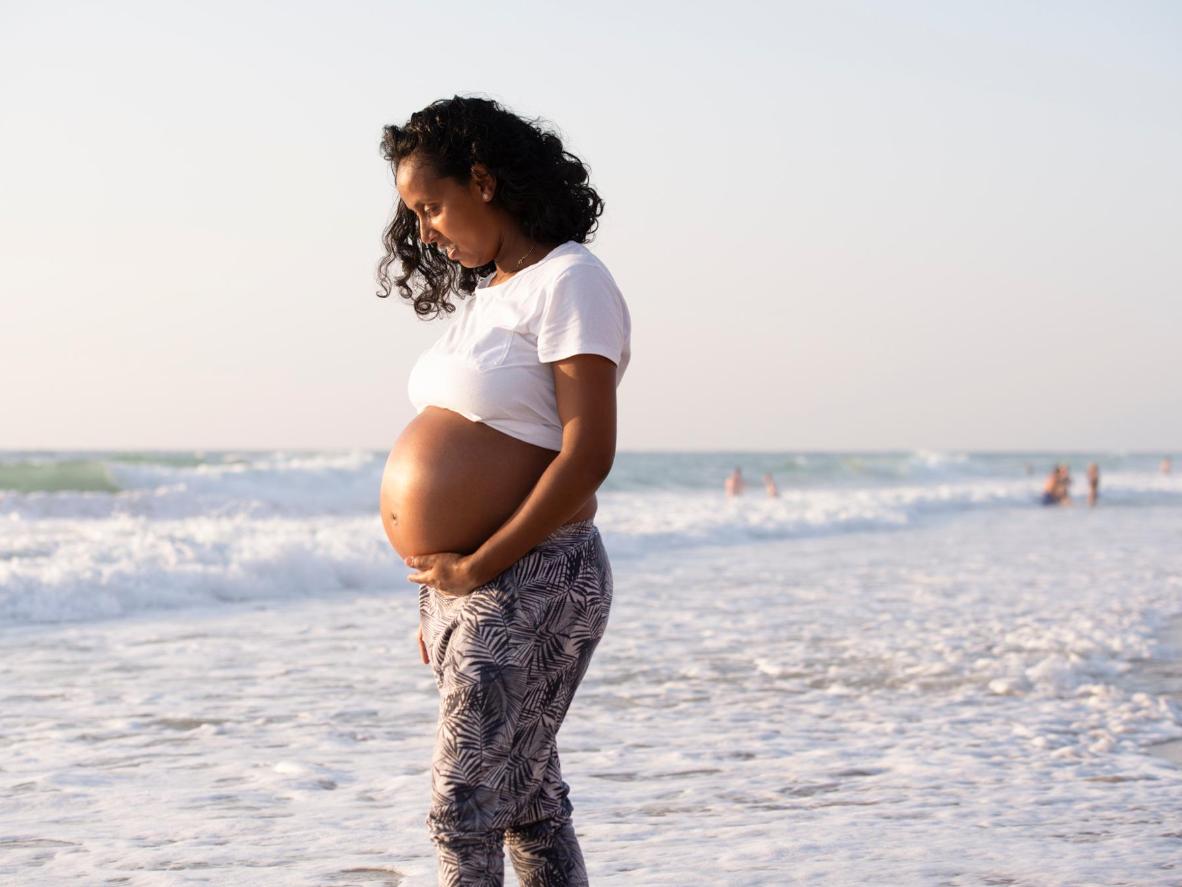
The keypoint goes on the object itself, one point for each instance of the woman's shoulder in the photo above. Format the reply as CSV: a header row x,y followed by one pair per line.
x,y
573,259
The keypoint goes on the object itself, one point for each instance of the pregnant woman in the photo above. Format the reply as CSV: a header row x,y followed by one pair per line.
x,y
489,492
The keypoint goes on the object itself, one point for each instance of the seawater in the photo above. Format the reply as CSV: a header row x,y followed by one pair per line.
x,y
101,535
901,671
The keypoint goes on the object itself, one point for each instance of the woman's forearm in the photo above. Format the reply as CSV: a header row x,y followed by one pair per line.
x,y
568,482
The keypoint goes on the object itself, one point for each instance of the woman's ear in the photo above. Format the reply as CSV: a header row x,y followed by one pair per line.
x,y
484,182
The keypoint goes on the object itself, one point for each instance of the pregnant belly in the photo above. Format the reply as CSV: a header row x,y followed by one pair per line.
x,y
450,483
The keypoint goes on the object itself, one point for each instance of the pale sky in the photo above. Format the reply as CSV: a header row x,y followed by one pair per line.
x,y
837,225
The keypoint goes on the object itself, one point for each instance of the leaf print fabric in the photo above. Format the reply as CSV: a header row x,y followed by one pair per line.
x,y
507,659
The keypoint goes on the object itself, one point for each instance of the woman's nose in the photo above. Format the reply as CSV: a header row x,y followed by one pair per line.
x,y
426,233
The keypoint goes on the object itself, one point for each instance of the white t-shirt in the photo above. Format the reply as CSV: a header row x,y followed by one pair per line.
x,y
491,365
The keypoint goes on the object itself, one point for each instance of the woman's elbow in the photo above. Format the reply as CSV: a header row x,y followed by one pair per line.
x,y
603,468
595,463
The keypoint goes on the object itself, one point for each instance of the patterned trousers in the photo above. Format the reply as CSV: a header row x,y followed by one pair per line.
x,y
507,659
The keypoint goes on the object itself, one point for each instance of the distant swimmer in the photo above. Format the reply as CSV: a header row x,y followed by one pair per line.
x,y
1050,489
1056,490
1166,466
734,483
1093,483
769,484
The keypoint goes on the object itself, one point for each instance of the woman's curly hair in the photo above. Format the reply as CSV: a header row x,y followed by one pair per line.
x,y
542,185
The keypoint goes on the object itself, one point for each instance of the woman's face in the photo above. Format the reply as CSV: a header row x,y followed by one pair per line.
x,y
455,217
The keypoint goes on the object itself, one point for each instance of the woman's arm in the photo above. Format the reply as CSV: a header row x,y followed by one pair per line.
x,y
585,388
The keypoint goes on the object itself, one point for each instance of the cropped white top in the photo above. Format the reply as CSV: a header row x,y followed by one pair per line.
x,y
491,365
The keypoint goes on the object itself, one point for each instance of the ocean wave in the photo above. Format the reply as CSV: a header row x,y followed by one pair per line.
x,y
291,484
101,564
276,484
86,536
61,571
77,475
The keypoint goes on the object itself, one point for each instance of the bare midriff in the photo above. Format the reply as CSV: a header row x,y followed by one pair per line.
x,y
450,483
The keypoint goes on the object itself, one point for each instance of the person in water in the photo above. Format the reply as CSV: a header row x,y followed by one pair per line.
x,y
489,492
769,485
1050,488
734,482
1056,489
1093,483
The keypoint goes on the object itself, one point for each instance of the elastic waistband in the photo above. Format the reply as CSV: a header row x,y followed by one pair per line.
x,y
574,532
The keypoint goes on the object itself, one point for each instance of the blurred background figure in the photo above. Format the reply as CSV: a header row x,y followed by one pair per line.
x,y
734,483
1093,483
769,484
1057,489
1166,465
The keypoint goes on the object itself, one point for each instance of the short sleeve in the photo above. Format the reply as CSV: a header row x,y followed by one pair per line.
x,y
583,313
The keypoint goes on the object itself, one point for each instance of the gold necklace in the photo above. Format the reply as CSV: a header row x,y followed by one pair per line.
x,y
517,267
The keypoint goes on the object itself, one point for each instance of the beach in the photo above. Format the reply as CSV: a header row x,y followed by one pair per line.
x,y
901,671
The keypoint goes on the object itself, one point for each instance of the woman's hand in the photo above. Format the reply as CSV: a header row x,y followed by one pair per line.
x,y
449,573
